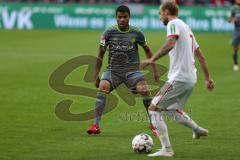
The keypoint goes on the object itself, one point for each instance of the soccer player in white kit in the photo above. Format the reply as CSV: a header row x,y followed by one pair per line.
x,y
182,47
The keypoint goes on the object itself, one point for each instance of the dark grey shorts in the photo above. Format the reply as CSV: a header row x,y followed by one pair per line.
x,y
130,79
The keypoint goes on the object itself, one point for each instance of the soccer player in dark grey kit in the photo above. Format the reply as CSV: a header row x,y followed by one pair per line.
x,y
122,41
235,18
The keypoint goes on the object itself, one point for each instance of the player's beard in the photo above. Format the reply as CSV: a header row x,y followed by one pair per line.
x,y
165,22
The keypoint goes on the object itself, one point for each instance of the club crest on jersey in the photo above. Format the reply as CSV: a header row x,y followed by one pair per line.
x,y
102,40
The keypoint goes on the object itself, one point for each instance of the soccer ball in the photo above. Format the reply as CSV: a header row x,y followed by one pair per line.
x,y
142,143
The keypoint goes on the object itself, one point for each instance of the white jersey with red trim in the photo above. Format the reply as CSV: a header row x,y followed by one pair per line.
x,y
182,61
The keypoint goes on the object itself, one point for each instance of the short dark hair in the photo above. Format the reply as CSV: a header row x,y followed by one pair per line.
x,y
123,8
171,6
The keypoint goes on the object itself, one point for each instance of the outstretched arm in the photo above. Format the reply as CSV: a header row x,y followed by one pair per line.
x,y
168,46
149,54
98,65
202,60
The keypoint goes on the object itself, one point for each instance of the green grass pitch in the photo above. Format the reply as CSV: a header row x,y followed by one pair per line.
x,y
29,128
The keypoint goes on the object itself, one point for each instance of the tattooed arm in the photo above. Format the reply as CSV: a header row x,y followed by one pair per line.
x,y
168,46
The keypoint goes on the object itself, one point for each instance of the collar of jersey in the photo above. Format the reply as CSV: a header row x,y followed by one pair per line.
x,y
129,27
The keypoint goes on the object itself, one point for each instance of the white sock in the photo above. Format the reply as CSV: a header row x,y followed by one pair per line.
x,y
161,129
183,118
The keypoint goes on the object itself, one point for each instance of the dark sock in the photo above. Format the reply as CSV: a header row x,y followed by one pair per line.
x,y
99,106
147,102
235,58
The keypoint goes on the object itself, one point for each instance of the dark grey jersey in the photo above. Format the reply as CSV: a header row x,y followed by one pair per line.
x,y
235,13
123,47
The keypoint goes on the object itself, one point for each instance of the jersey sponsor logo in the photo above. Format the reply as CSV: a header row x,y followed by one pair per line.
x,y
120,45
115,39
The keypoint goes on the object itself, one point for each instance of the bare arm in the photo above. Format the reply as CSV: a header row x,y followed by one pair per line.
x,y
168,46
202,60
149,54
98,64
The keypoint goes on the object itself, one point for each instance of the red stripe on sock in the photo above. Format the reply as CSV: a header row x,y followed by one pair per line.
x,y
179,111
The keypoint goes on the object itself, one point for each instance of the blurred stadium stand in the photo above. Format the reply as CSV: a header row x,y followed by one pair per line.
x,y
153,2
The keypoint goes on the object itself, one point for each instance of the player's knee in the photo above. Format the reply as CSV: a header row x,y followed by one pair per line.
x,y
152,108
142,89
144,93
104,89
104,86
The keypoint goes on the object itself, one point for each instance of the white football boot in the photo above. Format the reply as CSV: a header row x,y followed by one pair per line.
x,y
162,153
199,132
